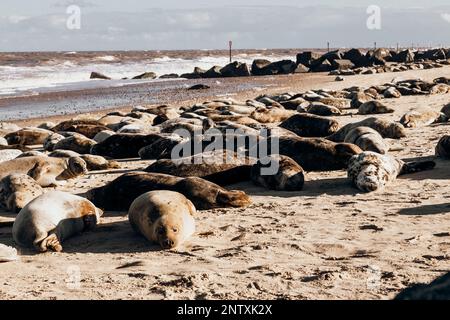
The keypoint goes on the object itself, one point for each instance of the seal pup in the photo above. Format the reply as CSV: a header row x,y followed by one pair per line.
x,y
46,171
387,129
374,107
28,136
120,193
289,176
17,190
315,154
443,147
367,139
421,117
308,125
52,218
93,163
164,217
371,171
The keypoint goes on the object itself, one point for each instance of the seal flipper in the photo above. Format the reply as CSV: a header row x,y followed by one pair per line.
x,y
51,242
418,166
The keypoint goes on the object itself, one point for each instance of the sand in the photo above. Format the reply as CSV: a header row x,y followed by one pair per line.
x,y
326,242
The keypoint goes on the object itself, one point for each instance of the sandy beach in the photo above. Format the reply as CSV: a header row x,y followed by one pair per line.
x,y
328,241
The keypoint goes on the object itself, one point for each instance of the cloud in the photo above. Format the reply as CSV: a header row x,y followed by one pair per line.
x,y
248,27
446,16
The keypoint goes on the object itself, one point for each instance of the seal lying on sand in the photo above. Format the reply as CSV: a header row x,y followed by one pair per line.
x,y
367,139
9,154
220,167
45,170
164,217
443,147
387,129
289,176
120,193
308,125
17,190
123,146
28,136
52,218
439,289
421,117
374,107
316,154
372,171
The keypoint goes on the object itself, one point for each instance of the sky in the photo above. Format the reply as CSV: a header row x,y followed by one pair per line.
x,y
27,25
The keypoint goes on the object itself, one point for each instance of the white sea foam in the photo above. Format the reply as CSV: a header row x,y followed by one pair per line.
x,y
68,74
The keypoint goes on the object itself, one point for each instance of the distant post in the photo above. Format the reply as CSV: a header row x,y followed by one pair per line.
x,y
375,45
397,47
328,46
230,43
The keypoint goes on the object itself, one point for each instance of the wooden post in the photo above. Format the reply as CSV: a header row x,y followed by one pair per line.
x,y
230,43
375,45
328,46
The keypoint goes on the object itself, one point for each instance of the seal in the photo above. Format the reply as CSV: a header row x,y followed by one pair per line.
x,y
162,147
370,171
271,114
439,289
88,128
123,146
3,141
9,154
308,125
374,107
443,147
367,139
220,167
120,193
163,217
289,176
420,117
46,171
17,190
387,129
93,163
28,136
320,109
52,140
77,143
52,218
315,154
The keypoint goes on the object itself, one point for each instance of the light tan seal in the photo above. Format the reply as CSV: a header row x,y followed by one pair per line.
x,y
52,218
46,171
77,143
163,217
367,139
17,190
374,107
420,117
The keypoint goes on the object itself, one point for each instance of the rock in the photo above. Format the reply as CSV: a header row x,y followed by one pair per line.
x,y
199,87
169,76
342,64
378,56
146,75
324,66
306,58
356,57
301,69
97,75
235,69
259,65
406,56
214,72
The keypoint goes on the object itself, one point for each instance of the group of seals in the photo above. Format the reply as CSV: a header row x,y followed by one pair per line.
x,y
17,190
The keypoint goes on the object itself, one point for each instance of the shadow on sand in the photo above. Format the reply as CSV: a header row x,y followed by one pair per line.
x,y
426,210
